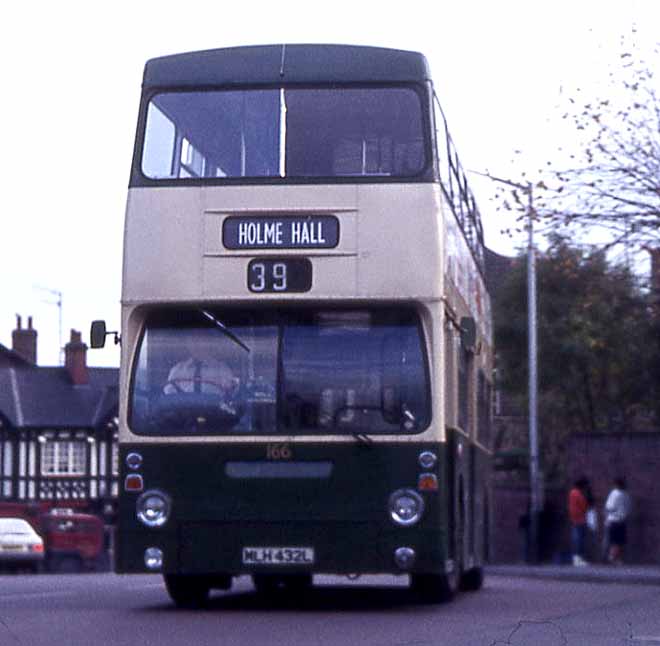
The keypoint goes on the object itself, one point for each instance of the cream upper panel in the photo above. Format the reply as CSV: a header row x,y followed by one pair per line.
x,y
390,241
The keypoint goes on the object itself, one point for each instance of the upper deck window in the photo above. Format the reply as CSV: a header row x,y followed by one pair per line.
x,y
285,133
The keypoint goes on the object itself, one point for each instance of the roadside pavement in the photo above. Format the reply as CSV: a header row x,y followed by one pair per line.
x,y
638,574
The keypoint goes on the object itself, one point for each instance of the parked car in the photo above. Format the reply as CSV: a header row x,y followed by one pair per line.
x,y
20,545
74,541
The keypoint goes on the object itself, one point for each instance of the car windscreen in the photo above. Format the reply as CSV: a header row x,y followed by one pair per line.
x,y
15,526
295,372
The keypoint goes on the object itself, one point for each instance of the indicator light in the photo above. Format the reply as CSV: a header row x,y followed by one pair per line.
x,y
427,482
427,459
133,461
133,482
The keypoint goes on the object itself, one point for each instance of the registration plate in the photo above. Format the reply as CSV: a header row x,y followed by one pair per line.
x,y
278,555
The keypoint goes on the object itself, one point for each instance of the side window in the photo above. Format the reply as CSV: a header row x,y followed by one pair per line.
x,y
193,163
464,370
483,411
450,376
441,144
159,145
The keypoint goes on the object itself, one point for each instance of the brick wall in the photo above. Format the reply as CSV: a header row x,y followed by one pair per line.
x,y
600,457
510,503
636,457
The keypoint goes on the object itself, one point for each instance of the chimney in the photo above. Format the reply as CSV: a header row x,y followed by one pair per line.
x,y
24,342
75,359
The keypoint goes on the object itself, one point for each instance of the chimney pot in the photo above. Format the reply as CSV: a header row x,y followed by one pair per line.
x,y
24,341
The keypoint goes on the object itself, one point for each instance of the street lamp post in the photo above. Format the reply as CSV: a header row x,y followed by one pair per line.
x,y
535,498
536,504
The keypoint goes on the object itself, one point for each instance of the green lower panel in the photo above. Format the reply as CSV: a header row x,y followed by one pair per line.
x,y
329,497
338,548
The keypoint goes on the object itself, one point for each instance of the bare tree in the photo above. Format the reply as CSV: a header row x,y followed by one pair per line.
x,y
614,184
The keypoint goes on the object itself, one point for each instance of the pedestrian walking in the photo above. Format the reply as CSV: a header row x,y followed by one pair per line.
x,y
578,505
617,511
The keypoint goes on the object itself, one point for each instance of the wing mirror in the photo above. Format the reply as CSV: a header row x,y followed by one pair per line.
x,y
99,332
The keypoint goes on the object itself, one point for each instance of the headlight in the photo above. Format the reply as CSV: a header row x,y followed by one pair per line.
x,y
153,508
406,507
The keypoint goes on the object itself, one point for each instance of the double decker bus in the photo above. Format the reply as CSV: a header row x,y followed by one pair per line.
x,y
306,334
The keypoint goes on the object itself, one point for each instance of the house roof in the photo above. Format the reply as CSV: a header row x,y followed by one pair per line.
x,y
11,357
36,397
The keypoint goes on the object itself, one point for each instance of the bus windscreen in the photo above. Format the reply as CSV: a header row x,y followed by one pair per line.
x,y
284,132
297,372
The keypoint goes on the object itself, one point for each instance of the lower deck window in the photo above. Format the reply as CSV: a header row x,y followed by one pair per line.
x,y
302,371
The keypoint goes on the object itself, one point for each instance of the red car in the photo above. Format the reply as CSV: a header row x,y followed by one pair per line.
x,y
74,541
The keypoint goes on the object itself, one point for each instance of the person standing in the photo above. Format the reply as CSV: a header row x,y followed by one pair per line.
x,y
617,511
578,505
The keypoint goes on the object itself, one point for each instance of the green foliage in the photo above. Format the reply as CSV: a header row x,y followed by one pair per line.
x,y
597,344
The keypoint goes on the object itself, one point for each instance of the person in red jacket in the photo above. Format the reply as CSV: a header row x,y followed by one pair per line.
x,y
578,504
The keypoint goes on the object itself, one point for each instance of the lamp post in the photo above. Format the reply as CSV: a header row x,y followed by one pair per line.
x,y
536,503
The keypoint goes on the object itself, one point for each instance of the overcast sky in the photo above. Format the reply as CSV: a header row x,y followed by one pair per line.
x,y
71,76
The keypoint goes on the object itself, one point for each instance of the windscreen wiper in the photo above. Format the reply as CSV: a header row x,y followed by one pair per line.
x,y
363,438
408,419
360,436
225,330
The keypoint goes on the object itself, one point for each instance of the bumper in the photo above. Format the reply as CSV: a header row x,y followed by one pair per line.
x,y
207,548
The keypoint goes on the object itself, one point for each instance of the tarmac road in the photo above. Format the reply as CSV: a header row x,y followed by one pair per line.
x,y
512,610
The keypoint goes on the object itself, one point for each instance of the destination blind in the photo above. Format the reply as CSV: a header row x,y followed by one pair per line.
x,y
284,232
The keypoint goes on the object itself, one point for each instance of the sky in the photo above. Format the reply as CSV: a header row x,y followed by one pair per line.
x,y
71,86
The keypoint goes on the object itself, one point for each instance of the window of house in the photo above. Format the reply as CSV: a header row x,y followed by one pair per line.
x,y
115,457
64,458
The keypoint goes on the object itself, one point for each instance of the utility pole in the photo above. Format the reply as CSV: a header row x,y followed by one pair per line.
x,y
535,486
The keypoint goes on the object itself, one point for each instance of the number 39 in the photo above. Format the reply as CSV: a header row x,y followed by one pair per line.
x,y
268,276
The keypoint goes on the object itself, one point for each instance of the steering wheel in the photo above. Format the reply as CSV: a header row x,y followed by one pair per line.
x,y
194,380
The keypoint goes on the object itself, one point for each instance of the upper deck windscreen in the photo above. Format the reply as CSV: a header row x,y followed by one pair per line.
x,y
285,133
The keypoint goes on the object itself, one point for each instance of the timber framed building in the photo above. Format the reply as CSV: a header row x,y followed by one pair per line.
x,y
58,428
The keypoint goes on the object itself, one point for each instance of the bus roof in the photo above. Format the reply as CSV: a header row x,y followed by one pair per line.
x,y
272,64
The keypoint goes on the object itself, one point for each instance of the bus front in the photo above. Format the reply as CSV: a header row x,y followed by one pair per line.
x,y
282,317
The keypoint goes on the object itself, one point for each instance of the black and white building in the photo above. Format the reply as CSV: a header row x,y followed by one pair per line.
x,y
58,427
